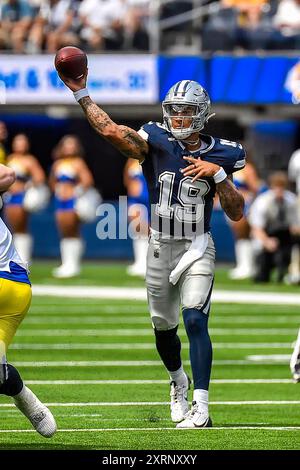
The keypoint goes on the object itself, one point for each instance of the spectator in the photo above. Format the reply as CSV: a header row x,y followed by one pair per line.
x,y
273,219
219,32
56,25
103,23
16,20
36,33
136,25
239,23
287,24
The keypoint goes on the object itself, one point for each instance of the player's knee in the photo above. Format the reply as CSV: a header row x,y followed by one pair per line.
x,y
195,321
161,324
165,334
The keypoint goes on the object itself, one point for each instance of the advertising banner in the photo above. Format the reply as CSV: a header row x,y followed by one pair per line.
x,y
113,79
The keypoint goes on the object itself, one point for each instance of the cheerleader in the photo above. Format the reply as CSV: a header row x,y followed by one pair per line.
x,y
29,174
70,177
248,183
138,209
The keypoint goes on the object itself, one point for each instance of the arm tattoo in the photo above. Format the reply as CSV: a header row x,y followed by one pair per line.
x,y
126,140
231,199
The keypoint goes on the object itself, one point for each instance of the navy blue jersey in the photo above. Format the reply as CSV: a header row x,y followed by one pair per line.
x,y
173,197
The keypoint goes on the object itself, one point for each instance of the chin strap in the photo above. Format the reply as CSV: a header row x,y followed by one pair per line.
x,y
210,116
192,142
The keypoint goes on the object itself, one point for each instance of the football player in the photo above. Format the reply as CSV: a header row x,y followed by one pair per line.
x,y
15,301
183,169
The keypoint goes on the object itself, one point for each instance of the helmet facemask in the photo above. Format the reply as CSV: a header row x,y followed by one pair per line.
x,y
183,120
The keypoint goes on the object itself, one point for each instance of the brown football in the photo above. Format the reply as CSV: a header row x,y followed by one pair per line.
x,y
71,62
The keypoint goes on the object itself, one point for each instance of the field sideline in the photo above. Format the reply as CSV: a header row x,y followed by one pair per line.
x,y
94,361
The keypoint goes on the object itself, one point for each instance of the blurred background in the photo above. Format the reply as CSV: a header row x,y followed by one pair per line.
x,y
245,53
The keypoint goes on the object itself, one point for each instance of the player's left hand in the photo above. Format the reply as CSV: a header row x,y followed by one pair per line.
x,y
199,168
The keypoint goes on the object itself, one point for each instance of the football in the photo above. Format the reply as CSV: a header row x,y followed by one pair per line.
x,y
71,62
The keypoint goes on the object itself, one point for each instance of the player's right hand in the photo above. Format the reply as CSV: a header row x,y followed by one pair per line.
x,y
75,85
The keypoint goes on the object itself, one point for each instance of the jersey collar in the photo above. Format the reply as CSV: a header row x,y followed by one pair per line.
x,y
206,138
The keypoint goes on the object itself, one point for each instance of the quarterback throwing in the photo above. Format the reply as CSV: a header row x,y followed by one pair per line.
x,y
183,169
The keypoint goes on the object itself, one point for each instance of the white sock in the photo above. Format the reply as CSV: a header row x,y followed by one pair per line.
x,y
25,395
294,267
3,362
140,248
178,376
244,255
23,245
71,250
201,398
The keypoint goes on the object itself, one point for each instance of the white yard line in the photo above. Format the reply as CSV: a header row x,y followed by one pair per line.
x,y
153,382
266,357
225,362
217,428
137,346
145,320
162,403
131,293
149,332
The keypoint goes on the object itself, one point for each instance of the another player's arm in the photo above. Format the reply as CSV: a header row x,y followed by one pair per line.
x,y
125,139
231,199
7,177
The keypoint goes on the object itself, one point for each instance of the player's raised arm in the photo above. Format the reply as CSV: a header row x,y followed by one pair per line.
x,y
125,139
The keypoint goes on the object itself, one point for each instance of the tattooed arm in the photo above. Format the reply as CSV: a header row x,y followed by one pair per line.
x,y
231,200
125,139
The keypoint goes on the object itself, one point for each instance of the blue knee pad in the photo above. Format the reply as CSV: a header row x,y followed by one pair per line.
x,y
196,325
195,321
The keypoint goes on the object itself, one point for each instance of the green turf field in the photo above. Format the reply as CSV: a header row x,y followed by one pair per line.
x,y
94,362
